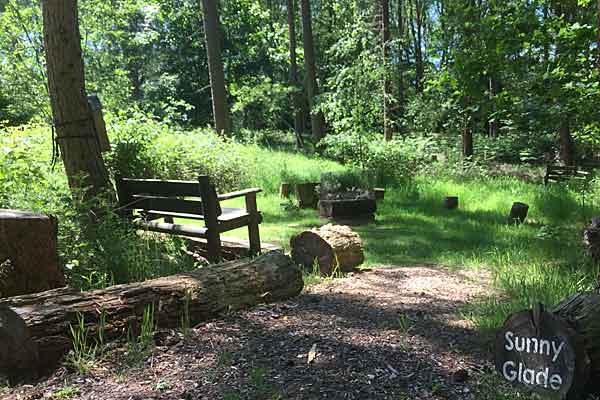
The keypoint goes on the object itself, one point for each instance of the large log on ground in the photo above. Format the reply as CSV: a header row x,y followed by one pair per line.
x,y
331,246
206,292
28,255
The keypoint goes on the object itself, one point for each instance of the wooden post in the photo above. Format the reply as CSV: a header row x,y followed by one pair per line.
x,y
209,203
253,231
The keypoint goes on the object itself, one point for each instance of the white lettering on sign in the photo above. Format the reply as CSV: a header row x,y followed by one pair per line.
x,y
522,374
530,345
533,345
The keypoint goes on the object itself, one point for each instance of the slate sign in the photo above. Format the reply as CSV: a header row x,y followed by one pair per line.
x,y
535,350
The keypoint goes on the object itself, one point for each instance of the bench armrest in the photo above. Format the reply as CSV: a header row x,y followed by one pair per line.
x,y
240,193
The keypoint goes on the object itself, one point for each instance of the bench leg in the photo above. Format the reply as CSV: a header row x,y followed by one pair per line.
x,y
213,240
253,232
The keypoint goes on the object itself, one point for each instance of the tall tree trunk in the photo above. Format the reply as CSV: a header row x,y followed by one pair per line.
x,y
75,132
215,66
567,153
387,90
598,35
416,26
296,95
467,134
400,94
312,88
493,121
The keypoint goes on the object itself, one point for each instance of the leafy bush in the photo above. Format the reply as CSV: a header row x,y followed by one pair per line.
x,y
145,148
341,181
384,162
94,255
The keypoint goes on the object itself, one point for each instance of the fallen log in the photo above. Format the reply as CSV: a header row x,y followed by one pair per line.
x,y
331,247
206,293
28,255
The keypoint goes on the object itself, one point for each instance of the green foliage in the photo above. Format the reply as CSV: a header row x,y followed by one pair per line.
x,y
341,181
83,355
144,147
383,162
138,347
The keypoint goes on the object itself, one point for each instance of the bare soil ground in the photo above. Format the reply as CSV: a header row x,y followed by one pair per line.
x,y
378,334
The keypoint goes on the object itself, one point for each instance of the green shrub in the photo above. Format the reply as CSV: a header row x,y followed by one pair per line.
x,y
145,148
384,162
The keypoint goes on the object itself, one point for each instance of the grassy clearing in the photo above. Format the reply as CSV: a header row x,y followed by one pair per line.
x,y
542,260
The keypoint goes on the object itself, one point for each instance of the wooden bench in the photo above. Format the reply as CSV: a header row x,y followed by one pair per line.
x,y
561,173
148,200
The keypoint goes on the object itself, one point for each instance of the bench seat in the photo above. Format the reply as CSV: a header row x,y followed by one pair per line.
x,y
147,200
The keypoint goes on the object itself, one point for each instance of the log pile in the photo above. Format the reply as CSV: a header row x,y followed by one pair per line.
x,y
331,247
207,292
28,254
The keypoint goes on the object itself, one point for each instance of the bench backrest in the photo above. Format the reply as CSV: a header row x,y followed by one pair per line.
x,y
187,197
559,173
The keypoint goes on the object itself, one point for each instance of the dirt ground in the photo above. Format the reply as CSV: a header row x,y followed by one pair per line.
x,y
378,334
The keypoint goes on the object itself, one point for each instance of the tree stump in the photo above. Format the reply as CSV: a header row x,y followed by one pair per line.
x,y
28,254
451,202
307,195
518,213
285,190
206,293
379,193
539,351
591,239
331,247
556,354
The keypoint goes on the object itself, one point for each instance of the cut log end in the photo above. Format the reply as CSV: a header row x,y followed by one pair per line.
x,y
329,248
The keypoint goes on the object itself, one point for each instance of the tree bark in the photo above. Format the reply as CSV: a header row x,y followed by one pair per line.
x,y
330,246
400,95
467,137
567,155
215,66
493,121
312,88
73,122
296,95
598,35
208,292
387,91
28,255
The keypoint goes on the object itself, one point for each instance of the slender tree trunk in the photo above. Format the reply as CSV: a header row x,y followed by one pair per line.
x,y
493,122
467,134
400,95
598,35
75,132
312,88
387,90
416,26
296,95
215,66
567,153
